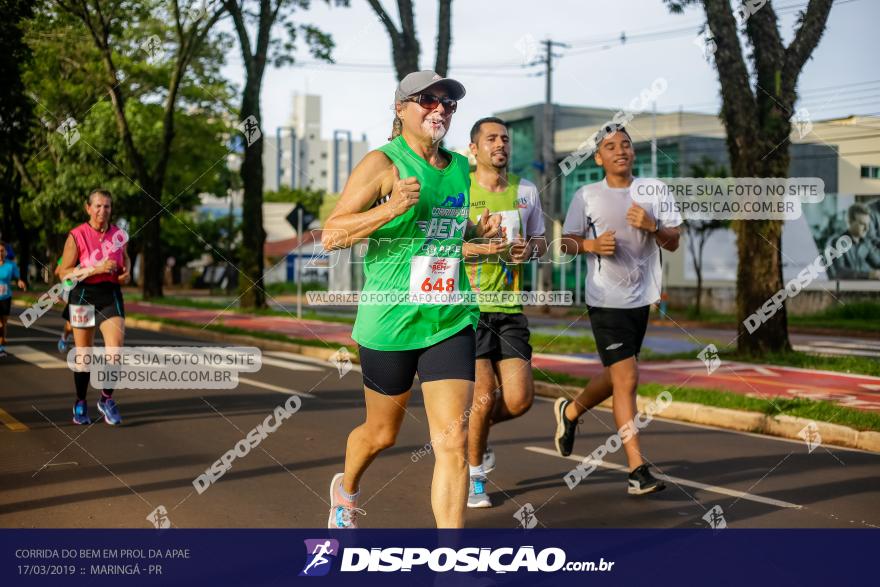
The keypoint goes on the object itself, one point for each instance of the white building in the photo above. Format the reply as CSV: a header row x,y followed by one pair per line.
x,y
296,155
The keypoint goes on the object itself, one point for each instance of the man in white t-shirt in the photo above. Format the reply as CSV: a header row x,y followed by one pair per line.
x,y
621,224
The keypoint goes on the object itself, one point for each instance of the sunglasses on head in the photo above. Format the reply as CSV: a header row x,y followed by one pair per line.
x,y
430,102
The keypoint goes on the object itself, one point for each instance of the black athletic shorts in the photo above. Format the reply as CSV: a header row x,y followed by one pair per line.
x,y
619,332
503,336
105,296
392,372
6,307
65,313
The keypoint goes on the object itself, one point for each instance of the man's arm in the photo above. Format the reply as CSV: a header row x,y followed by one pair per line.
x,y
481,251
573,244
667,237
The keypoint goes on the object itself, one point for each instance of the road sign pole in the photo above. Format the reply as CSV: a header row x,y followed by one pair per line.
x,y
298,261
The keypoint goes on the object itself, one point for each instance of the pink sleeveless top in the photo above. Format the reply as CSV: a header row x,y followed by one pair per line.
x,y
94,247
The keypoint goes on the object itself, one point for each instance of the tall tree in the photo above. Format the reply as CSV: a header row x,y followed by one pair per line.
x,y
64,79
405,49
256,55
105,22
757,109
16,115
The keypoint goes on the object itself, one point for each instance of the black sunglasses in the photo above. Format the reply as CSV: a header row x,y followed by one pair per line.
x,y
430,102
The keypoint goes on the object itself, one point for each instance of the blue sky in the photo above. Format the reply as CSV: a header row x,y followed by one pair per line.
x,y
488,35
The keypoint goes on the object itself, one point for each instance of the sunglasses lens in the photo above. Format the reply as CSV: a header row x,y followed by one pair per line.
x,y
431,102
428,101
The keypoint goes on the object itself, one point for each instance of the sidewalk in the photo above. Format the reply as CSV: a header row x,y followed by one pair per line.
x,y
763,381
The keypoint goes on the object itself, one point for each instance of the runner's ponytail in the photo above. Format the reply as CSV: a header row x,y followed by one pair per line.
x,y
396,128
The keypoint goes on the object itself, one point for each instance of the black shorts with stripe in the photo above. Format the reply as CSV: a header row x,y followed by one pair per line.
x,y
619,332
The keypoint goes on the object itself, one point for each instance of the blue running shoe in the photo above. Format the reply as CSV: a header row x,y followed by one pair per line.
x,y
111,413
342,515
81,413
477,496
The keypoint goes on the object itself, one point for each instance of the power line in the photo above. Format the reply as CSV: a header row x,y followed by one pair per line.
x,y
589,45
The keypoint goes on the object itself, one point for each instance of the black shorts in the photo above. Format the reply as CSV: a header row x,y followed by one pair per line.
x,y
619,332
6,307
503,336
106,297
65,313
392,372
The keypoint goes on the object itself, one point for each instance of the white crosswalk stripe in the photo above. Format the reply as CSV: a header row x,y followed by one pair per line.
x,y
31,355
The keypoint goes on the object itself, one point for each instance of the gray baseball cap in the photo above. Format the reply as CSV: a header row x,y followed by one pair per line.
x,y
417,81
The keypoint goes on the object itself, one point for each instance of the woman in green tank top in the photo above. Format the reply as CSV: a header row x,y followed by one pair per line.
x,y
409,200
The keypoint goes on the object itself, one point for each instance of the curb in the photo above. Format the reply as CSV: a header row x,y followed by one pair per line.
x,y
782,425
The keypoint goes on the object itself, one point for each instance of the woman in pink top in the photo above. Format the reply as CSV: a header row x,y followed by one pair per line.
x,y
96,260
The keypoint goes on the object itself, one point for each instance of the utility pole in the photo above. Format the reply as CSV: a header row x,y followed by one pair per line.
x,y
654,140
548,155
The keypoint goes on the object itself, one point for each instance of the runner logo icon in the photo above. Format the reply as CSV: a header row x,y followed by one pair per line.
x,y
454,201
320,553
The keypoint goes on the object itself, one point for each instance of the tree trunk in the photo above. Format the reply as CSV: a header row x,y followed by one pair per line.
x,y
757,124
698,268
153,261
250,283
24,235
444,37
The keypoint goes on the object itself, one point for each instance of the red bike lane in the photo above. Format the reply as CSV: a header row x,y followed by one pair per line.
x,y
853,391
762,381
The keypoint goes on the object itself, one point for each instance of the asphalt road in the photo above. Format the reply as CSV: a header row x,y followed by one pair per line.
x,y
55,474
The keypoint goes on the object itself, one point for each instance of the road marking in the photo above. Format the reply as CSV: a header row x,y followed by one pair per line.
x,y
55,331
677,480
11,422
39,358
269,386
304,359
286,364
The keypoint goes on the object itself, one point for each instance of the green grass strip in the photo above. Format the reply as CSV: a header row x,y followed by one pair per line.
x,y
821,411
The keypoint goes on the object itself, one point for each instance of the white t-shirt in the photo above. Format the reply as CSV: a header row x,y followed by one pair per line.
x,y
631,277
528,200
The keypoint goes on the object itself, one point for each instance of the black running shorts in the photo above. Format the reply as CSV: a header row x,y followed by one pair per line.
x,y
503,336
105,296
392,372
619,332
5,307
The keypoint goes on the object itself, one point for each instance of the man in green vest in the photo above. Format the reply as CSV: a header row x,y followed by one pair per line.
x,y
503,388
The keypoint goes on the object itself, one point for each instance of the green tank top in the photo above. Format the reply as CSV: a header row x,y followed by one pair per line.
x,y
491,280
415,277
